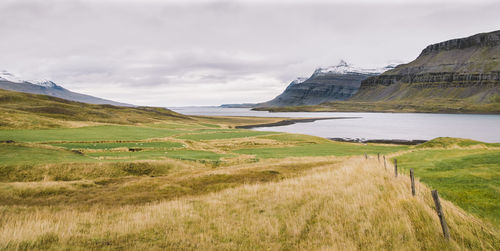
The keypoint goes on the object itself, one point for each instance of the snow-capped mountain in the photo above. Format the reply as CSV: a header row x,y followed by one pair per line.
x,y
344,68
298,81
11,82
45,83
7,76
334,83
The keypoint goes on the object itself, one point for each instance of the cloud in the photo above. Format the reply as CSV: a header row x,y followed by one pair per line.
x,y
172,53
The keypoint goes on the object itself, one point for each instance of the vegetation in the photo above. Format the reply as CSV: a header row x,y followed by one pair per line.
x,y
427,105
177,182
333,205
325,149
468,177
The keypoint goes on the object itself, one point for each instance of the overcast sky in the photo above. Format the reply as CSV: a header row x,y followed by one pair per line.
x,y
178,53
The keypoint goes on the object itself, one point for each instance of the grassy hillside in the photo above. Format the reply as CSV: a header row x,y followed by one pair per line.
x,y
346,204
466,172
176,182
22,110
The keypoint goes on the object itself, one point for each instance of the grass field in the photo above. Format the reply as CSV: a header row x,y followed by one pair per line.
x,y
468,177
332,206
194,183
157,145
197,181
324,149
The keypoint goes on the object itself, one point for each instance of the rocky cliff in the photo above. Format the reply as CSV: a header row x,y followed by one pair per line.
x,y
333,83
462,69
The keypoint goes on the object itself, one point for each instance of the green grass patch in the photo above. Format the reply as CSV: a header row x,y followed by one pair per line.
x,y
195,155
210,125
112,145
468,178
323,149
296,138
13,154
92,133
224,135
446,142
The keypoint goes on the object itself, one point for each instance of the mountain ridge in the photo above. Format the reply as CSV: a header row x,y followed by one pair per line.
x,y
333,83
465,68
454,76
11,82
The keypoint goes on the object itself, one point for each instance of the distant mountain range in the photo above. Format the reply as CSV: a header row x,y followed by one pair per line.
x,y
455,76
465,69
11,82
334,83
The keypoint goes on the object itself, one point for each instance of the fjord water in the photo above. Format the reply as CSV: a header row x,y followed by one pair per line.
x,y
405,126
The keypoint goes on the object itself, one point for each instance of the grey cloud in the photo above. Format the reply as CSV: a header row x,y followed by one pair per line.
x,y
210,52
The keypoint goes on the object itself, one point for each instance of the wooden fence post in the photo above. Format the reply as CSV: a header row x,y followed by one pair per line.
x,y
395,168
412,182
439,211
378,157
385,164
366,156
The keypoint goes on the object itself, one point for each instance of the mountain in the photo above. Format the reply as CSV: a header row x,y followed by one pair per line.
x,y
464,69
334,83
455,76
11,82
244,105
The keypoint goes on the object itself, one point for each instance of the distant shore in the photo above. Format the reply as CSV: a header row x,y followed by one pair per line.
x,y
291,122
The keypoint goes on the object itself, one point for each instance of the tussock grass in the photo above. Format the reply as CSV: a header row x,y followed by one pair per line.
x,y
353,205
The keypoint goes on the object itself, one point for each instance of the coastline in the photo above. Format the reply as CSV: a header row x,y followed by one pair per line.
x,y
290,122
432,106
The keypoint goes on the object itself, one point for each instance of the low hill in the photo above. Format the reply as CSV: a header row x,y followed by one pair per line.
x,y
23,110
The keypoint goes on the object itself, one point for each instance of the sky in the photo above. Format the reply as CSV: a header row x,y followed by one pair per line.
x,y
203,52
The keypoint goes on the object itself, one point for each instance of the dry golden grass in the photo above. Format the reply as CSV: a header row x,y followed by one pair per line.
x,y
352,205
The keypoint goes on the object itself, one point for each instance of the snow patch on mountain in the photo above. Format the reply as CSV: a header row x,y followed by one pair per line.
x,y
298,81
44,83
7,76
345,68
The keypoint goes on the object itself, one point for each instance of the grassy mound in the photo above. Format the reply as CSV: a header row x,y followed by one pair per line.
x,y
22,110
351,206
468,177
447,142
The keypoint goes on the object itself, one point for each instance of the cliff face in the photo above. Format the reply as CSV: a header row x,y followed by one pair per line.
x,y
334,83
466,68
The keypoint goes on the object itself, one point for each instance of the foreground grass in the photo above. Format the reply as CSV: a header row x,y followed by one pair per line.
x,y
350,205
468,177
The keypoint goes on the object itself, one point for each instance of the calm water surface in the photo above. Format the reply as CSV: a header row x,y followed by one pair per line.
x,y
407,126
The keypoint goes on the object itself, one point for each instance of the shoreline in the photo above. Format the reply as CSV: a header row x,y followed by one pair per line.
x,y
290,122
